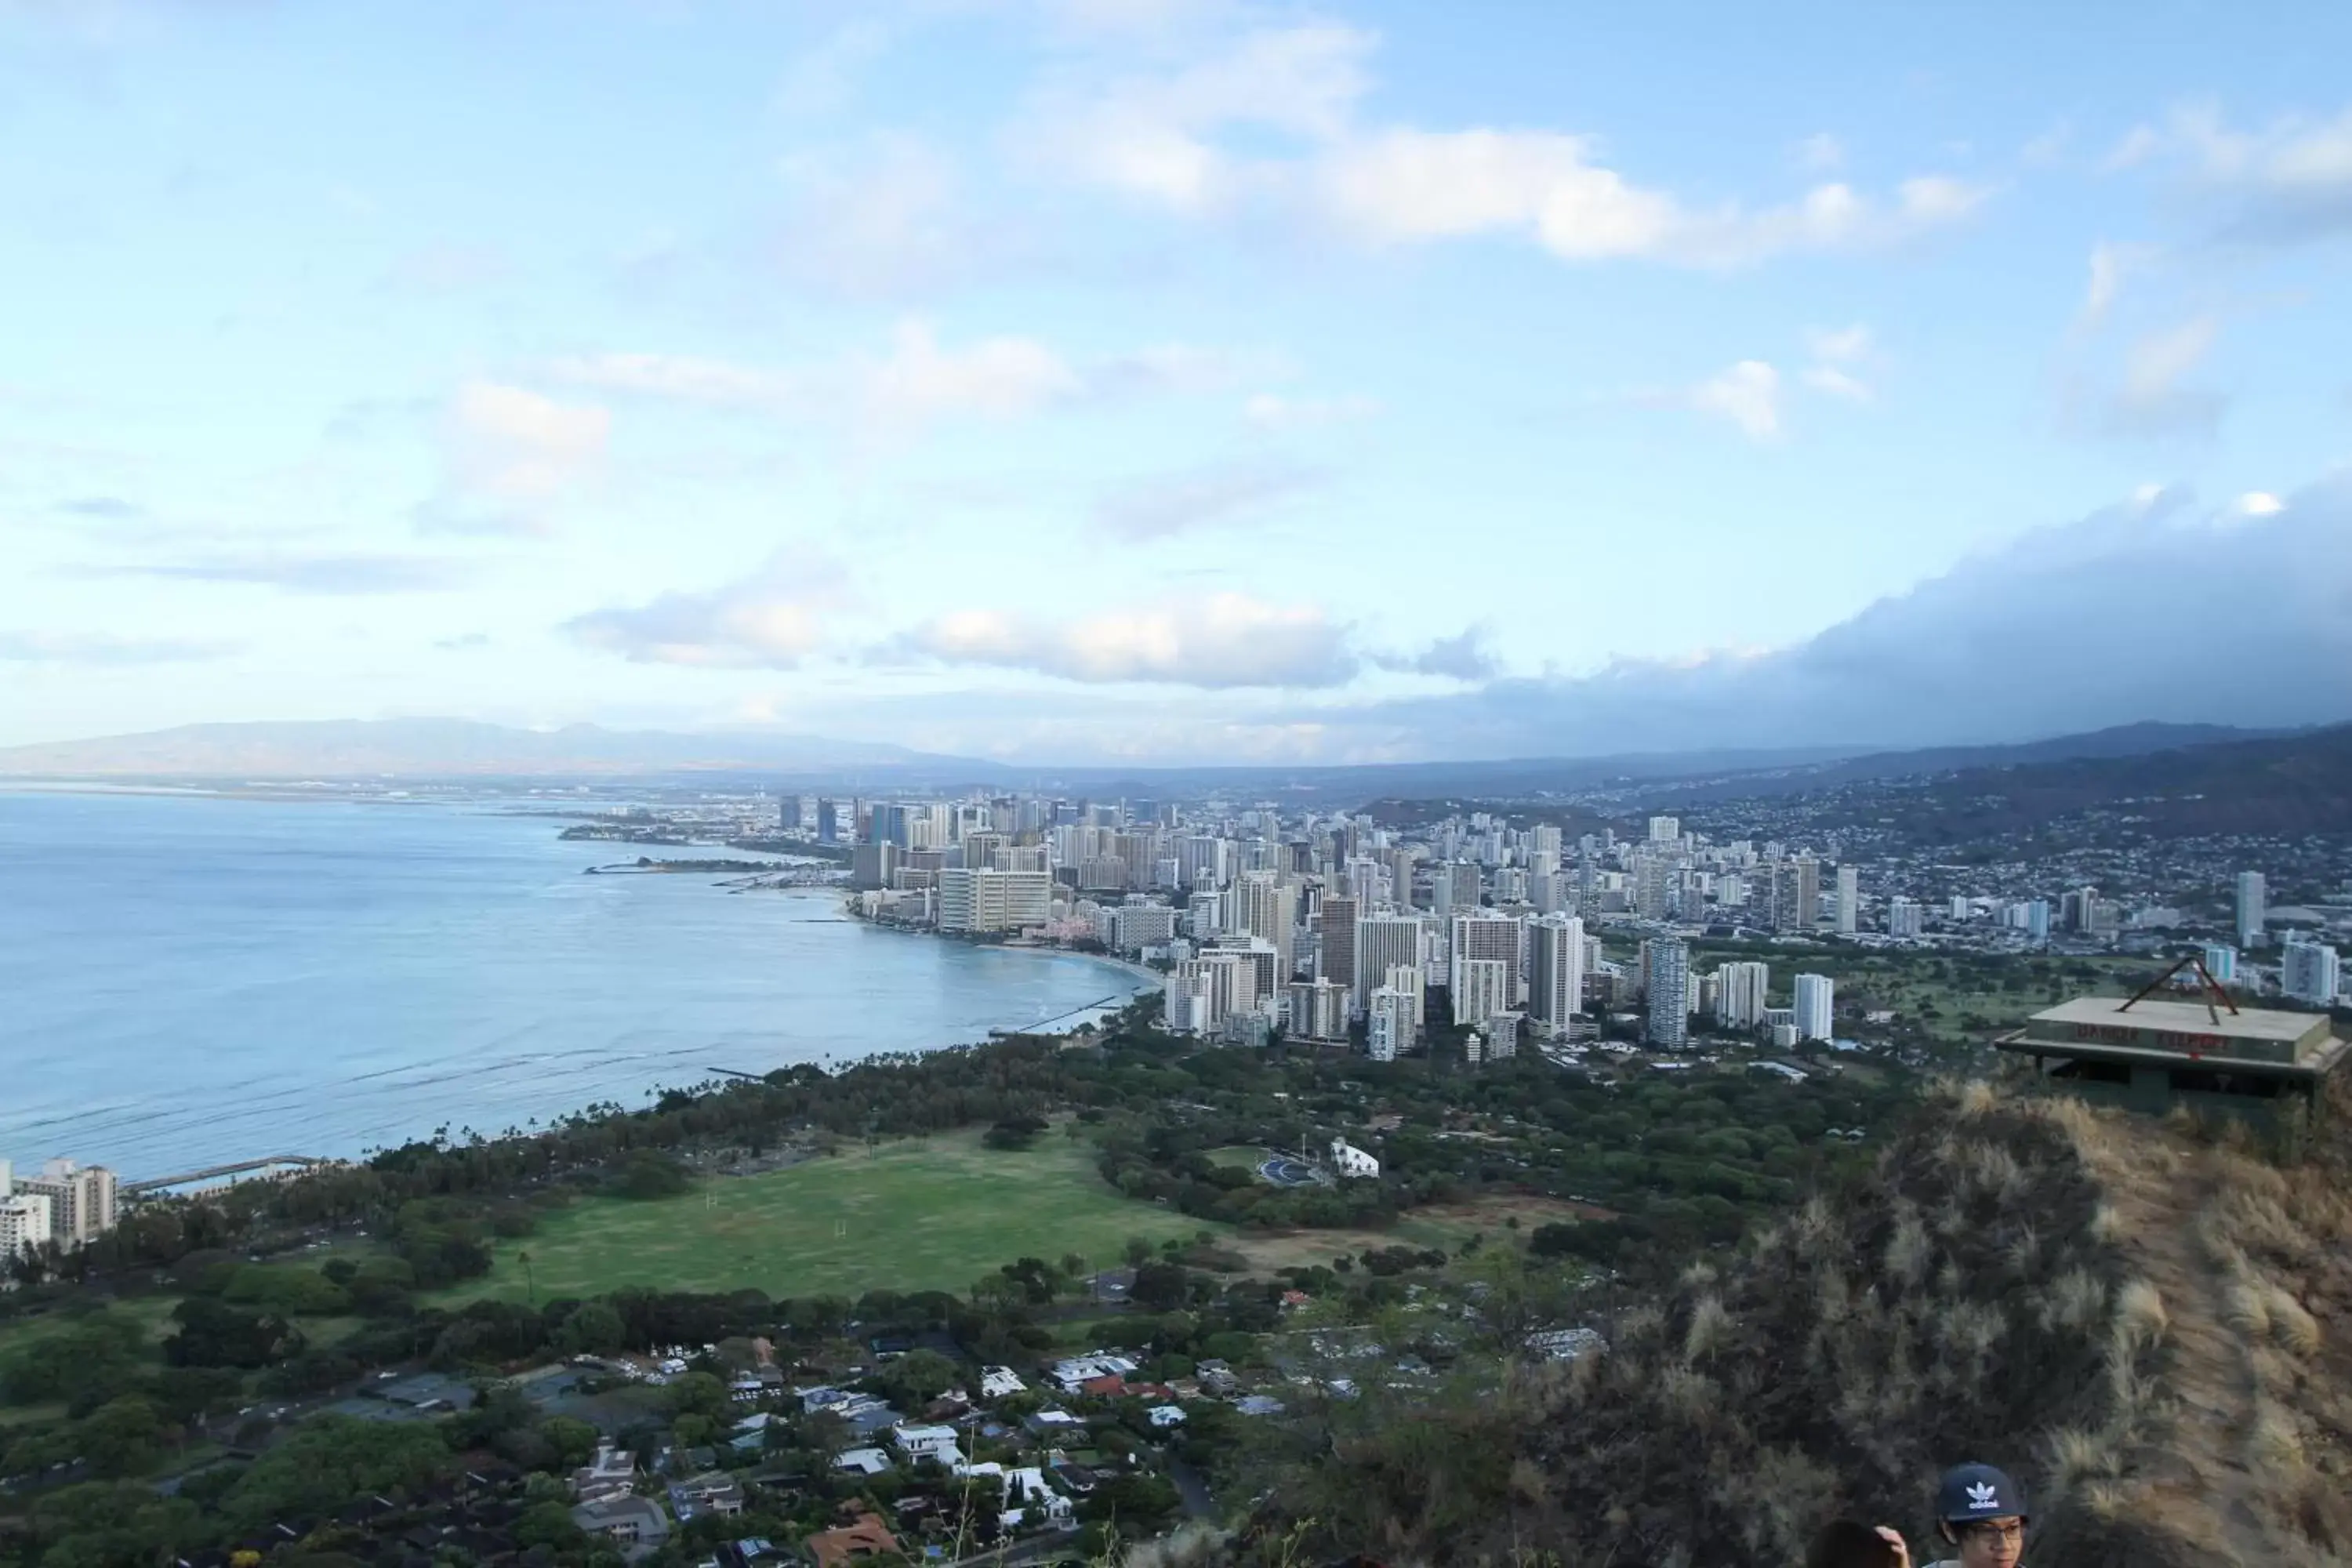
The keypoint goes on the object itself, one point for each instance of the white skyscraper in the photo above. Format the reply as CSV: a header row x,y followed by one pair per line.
x,y
1816,1000
1391,1020
1739,993
2252,897
1669,999
24,1224
1266,905
1666,830
1479,989
81,1200
1555,973
1849,897
1382,943
2310,971
1488,933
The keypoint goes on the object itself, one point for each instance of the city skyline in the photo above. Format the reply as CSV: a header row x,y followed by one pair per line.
x,y
1160,381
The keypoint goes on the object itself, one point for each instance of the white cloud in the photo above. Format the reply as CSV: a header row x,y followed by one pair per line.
x,y
1820,153
511,444
2258,503
1294,93
993,377
1219,640
891,217
2290,180
1157,136
820,80
103,649
1839,352
679,377
1166,504
1828,378
771,620
1269,411
2152,397
1839,345
918,378
1747,394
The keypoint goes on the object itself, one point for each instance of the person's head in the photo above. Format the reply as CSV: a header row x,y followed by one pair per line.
x,y
1983,1511
1842,1544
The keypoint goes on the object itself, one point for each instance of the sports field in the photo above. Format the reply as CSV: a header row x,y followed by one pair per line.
x,y
921,1215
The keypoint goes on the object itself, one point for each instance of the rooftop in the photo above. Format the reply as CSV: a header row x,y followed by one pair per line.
x,y
2296,1044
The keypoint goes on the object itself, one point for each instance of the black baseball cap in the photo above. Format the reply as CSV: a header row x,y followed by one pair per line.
x,y
1971,1492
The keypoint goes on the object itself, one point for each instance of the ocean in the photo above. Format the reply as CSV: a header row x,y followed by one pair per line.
x,y
188,980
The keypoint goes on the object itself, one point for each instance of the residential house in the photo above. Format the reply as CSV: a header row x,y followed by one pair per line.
x,y
1165,1416
713,1492
1030,1500
1000,1382
636,1524
941,1444
865,1536
1075,1372
864,1461
612,1473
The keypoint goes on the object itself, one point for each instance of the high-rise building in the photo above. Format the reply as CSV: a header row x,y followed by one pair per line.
x,y
1317,1009
81,1199
828,822
1816,1004
1555,973
1384,943
1666,830
1488,933
2252,902
2221,963
2310,971
1264,905
1391,1020
1668,1025
25,1223
1849,898
1335,923
1904,918
788,814
1479,989
983,900
1654,880
1740,990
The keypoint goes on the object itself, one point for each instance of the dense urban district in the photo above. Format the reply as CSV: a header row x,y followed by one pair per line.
x,y
1436,1100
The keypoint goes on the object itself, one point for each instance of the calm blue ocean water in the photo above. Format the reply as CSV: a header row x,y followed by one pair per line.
x,y
188,980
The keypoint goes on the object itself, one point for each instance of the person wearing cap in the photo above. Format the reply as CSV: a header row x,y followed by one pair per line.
x,y
1982,1511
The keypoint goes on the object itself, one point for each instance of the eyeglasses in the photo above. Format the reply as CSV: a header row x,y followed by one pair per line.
x,y
2014,1531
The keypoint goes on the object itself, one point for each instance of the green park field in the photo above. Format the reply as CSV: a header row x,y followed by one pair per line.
x,y
921,1215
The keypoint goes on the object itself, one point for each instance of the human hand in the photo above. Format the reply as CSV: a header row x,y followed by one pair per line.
x,y
1893,1539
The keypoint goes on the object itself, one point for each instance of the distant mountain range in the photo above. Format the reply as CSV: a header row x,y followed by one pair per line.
x,y
2285,785
418,749
450,748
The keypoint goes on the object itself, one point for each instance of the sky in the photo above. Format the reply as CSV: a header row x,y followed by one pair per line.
x,y
1177,381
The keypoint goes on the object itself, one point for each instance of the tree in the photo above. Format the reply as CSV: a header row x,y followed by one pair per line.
x,y
592,1329
919,1376
1014,1132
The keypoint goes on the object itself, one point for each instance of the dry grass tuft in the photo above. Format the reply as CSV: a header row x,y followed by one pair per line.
x,y
2075,1299
2140,1319
1907,1249
1709,1331
2249,1309
2292,1322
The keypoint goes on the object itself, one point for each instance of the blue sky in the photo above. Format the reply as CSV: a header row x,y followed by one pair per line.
x,y
1171,379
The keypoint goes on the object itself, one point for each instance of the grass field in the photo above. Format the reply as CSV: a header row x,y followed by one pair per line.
x,y
923,1214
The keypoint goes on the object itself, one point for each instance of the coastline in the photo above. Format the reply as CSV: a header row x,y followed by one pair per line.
x,y
1154,980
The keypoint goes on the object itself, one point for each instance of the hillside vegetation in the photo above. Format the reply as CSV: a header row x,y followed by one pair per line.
x,y
2150,1327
